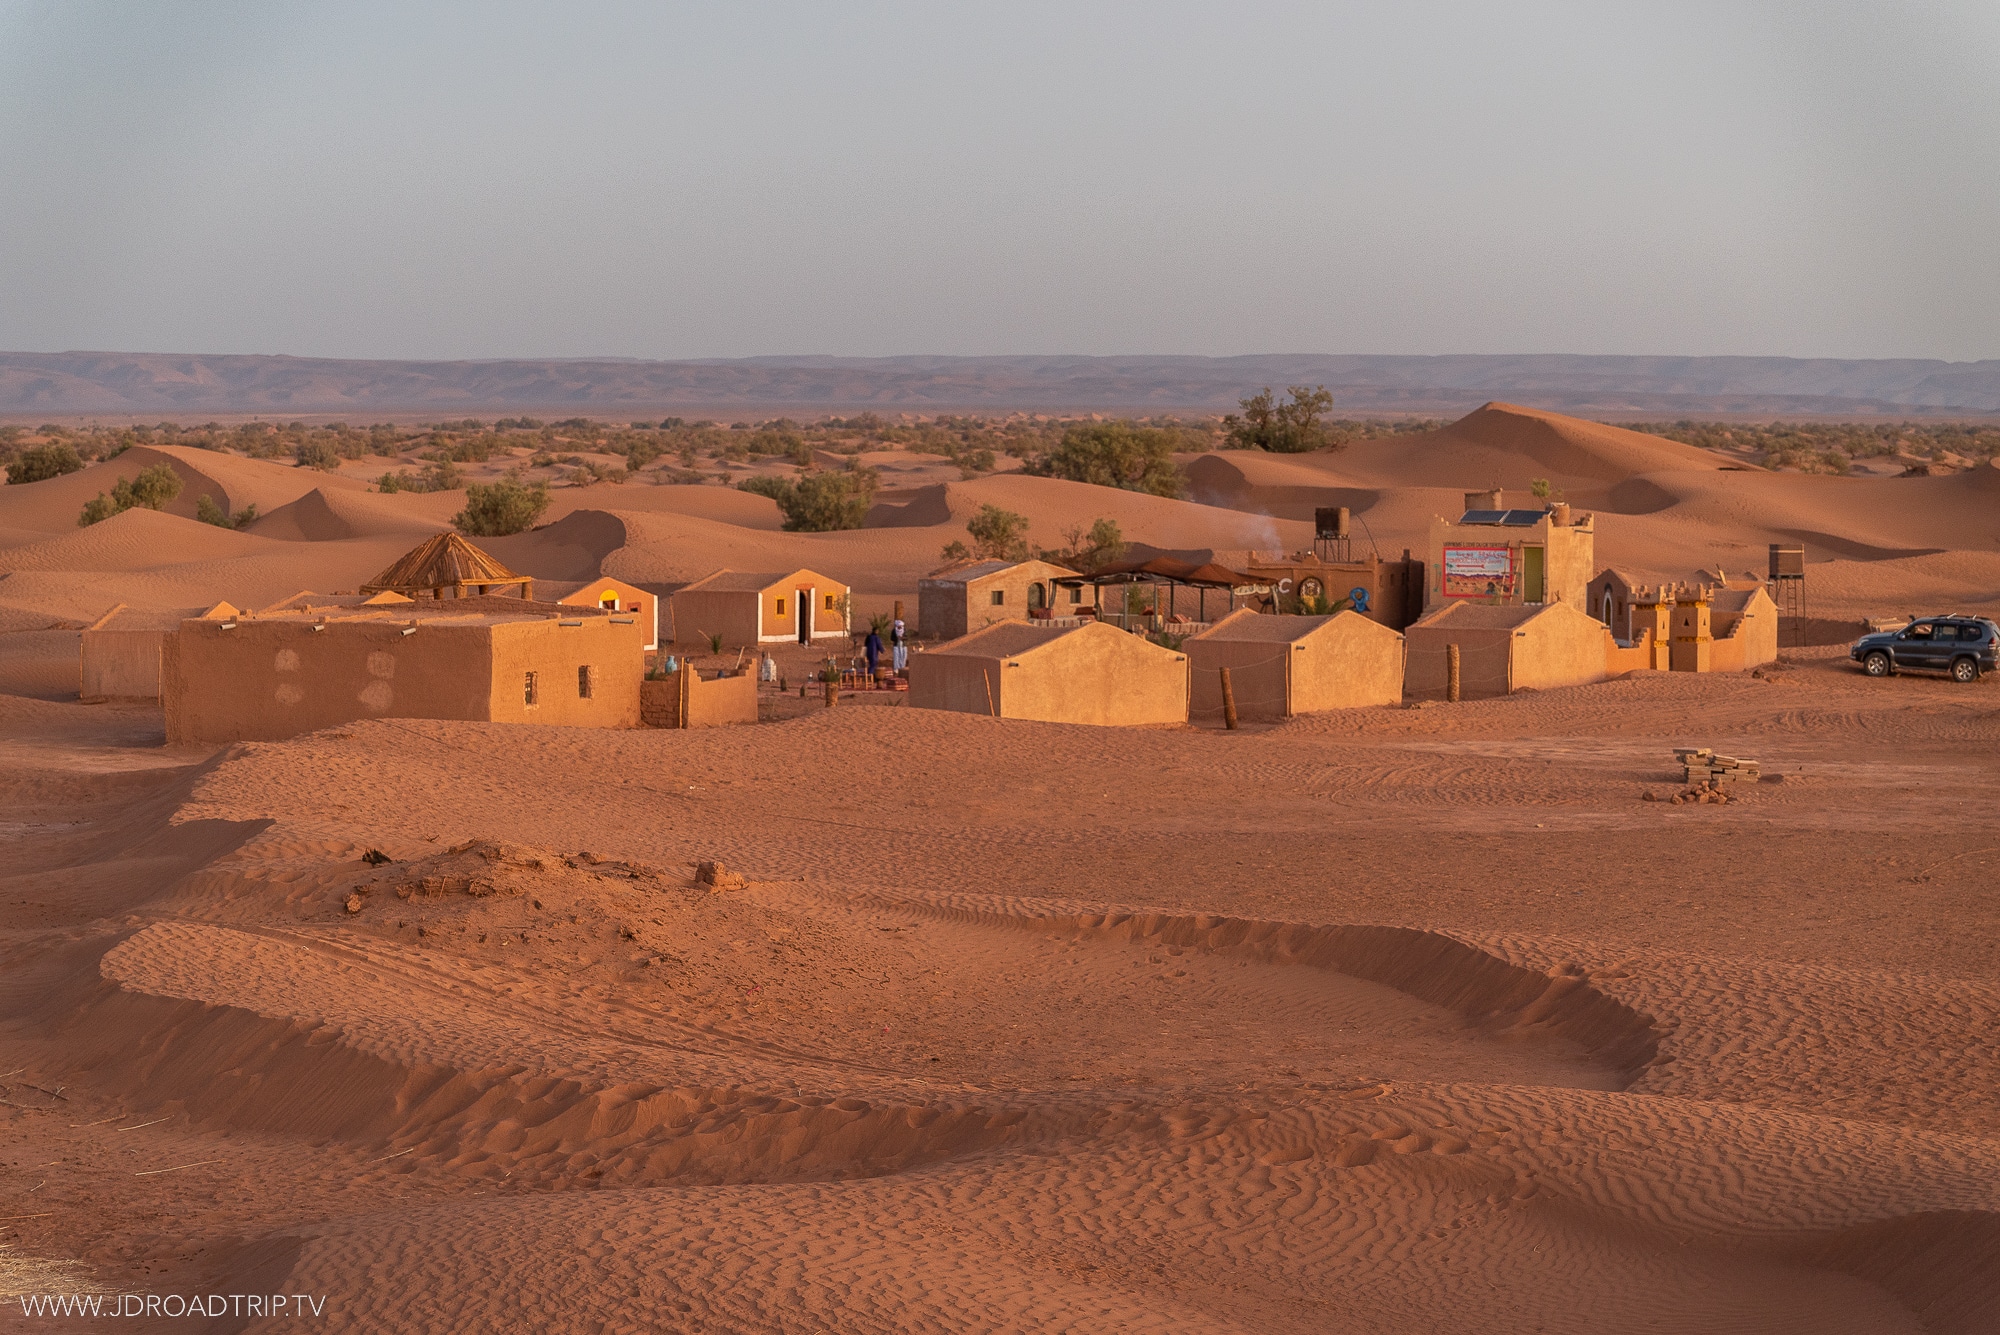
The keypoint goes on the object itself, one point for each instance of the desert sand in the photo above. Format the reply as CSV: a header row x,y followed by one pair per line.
x,y
1387,1020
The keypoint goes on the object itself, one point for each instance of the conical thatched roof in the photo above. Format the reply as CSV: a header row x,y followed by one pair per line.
x,y
446,561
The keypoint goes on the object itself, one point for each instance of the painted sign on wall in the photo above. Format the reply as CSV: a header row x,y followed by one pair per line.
x,y
1478,572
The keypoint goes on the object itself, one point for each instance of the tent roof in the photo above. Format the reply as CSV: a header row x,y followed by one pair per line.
x,y
1164,570
1260,628
441,561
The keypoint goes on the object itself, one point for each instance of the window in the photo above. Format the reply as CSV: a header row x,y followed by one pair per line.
x,y
1922,631
830,601
1076,593
999,597
583,682
609,602
530,693
781,607
1972,632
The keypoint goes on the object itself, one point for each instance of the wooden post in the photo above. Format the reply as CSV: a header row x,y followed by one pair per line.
x,y
1228,703
832,694
988,682
1451,673
686,694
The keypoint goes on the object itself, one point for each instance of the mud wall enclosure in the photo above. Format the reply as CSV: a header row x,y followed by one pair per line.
x,y
265,680
711,703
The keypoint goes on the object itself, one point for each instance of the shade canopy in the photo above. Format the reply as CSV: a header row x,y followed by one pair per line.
x,y
1163,570
447,561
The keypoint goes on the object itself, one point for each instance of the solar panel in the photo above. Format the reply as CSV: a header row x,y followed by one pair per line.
x,y
1523,518
1483,517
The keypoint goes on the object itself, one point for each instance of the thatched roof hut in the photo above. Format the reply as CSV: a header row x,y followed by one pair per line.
x,y
447,561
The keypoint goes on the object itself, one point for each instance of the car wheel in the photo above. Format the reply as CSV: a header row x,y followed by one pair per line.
x,y
1876,664
1965,669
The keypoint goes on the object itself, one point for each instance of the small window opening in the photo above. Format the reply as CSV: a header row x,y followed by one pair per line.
x,y
781,607
830,603
999,597
1076,593
530,692
583,682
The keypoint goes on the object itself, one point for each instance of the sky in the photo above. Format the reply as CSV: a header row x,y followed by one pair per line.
x,y
665,180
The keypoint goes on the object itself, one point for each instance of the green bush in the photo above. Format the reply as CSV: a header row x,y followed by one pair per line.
x,y
208,512
44,462
1283,428
152,489
318,454
496,509
1115,454
819,502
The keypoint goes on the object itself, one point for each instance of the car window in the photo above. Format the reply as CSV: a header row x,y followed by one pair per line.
x,y
1920,631
1971,633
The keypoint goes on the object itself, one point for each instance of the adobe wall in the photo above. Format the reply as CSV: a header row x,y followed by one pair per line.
x,y
711,703
1562,647
1013,586
1752,638
267,680
1618,662
553,651
955,681
121,664
700,613
1097,675
1483,662
1352,663
1569,564
941,610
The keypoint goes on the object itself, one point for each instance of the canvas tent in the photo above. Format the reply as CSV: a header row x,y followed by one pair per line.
x,y
1281,666
1092,673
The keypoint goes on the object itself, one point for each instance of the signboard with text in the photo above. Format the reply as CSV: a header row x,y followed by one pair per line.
x,y
1478,572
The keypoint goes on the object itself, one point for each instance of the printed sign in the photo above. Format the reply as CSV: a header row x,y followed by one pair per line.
x,y
1478,572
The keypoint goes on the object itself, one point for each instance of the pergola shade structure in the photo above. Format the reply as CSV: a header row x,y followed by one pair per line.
x,y
1164,570
448,561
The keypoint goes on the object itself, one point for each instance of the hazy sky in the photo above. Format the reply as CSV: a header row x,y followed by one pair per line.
x,y
718,180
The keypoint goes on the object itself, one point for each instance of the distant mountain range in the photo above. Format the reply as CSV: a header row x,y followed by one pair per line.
x,y
167,384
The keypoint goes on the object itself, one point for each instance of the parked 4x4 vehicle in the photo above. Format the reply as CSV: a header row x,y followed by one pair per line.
x,y
1961,645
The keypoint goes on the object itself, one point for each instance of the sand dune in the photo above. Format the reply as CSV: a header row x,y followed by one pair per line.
x,y
323,515
1394,1020
235,482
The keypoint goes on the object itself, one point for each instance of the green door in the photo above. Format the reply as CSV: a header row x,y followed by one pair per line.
x,y
1531,575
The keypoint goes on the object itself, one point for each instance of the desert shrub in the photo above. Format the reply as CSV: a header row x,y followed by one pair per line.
x,y
819,502
1087,549
1283,428
496,509
997,535
319,454
152,489
1115,454
44,462
208,512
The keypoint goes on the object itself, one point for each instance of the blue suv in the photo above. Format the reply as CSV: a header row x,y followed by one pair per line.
x,y
1964,646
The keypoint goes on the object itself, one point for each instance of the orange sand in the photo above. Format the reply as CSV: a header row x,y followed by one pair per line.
x,y
1386,1020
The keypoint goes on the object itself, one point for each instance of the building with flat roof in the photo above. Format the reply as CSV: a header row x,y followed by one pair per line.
x,y
1281,666
961,598
1511,557
1091,673
310,665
